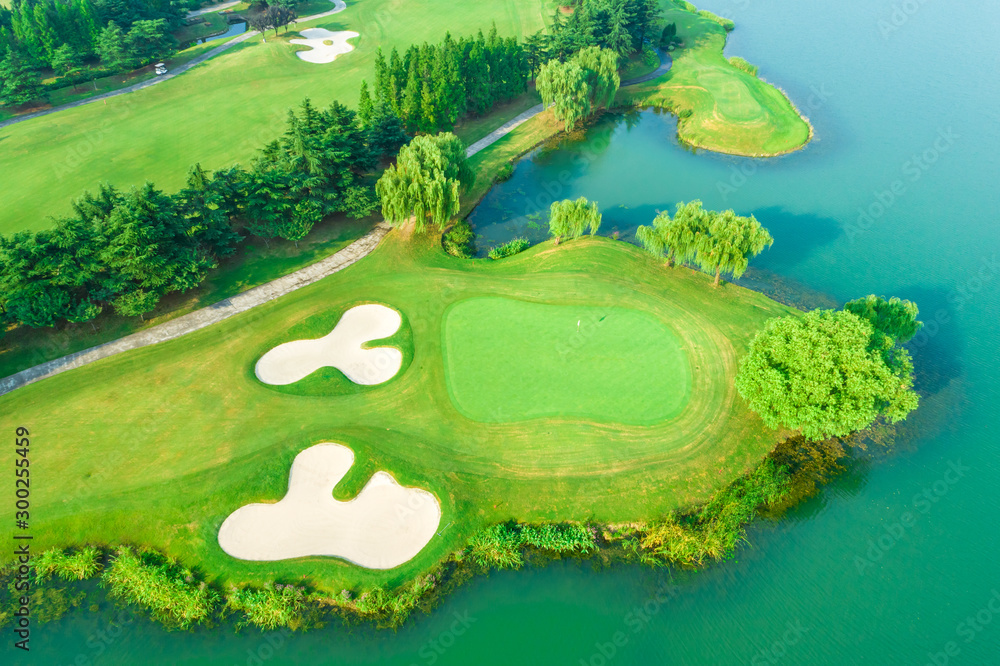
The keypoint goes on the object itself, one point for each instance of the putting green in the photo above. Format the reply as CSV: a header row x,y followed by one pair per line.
x,y
511,360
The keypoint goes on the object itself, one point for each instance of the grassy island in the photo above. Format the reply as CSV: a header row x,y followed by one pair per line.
x,y
721,106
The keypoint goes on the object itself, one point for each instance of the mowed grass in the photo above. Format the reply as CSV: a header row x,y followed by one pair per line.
x,y
221,111
159,445
511,360
730,110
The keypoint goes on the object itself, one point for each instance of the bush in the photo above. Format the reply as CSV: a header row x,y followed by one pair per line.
x,y
79,565
169,591
460,241
269,608
741,64
509,248
504,172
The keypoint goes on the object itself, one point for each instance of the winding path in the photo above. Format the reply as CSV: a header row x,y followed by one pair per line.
x,y
338,6
269,291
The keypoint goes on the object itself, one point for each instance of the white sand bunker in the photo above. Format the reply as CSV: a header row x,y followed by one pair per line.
x,y
383,527
341,348
326,45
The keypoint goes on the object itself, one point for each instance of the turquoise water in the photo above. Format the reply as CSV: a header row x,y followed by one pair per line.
x,y
887,565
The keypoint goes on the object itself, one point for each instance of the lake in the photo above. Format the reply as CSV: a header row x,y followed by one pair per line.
x,y
897,195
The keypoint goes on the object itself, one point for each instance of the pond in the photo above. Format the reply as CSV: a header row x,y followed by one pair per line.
x,y
896,196
237,28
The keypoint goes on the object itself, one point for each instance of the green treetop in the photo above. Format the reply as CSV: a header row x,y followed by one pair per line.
x,y
819,374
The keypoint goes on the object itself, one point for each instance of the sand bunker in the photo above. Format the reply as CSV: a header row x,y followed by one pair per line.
x,y
322,53
341,348
383,527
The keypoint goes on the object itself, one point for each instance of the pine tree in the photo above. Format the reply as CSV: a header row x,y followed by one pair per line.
x,y
412,109
365,106
18,84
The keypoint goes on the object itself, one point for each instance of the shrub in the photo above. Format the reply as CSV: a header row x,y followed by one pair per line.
x,y
79,565
509,248
740,63
504,172
269,608
169,591
498,546
460,241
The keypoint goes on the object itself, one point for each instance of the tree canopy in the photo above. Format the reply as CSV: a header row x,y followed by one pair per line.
x,y
425,182
719,242
819,374
569,219
577,87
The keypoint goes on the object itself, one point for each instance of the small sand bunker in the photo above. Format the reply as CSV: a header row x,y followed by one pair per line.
x,y
341,348
325,45
383,527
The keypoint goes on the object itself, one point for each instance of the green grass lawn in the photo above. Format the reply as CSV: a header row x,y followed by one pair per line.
x,y
159,445
222,111
730,110
510,360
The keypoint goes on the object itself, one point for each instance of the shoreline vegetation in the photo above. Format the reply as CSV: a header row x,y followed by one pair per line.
x,y
183,598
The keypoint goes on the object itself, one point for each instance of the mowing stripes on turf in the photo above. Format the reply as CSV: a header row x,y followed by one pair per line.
x,y
510,360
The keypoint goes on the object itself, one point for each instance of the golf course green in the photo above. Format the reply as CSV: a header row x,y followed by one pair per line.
x,y
159,445
721,107
508,360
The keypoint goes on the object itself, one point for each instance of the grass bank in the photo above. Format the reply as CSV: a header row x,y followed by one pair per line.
x,y
720,107
159,445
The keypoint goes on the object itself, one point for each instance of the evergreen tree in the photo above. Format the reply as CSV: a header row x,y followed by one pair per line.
x,y
110,47
412,107
18,84
365,106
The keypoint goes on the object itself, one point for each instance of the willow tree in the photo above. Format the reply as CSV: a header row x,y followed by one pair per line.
x,y
564,87
894,318
819,375
601,68
676,237
425,182
731,242
570,218
576,88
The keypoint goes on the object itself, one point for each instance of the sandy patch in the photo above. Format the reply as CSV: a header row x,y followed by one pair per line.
x,y
341,348
322,52
383,527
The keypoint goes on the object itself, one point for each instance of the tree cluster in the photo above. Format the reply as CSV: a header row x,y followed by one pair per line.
x,y
431,86
263,17
127,250
830,373
622,26
717,242
577,87
42,33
